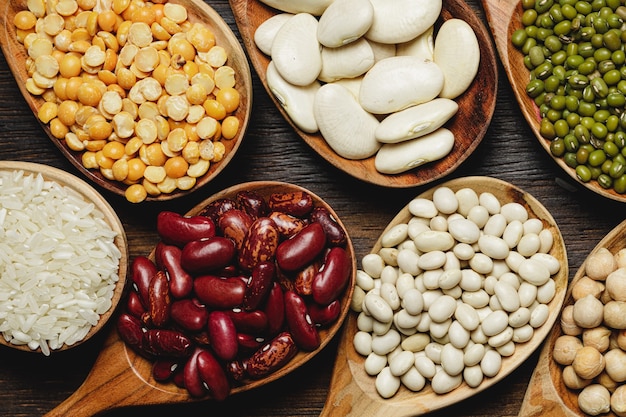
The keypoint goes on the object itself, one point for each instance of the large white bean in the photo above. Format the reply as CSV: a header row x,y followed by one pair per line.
x,y
425,365
402,21
378,307
401,363
387,384
395,235
473,375
413,380
335,30
265,33
534,271
374,363
443,383
452,359
491,363
363,343
442,308
495,323
493,246
386,343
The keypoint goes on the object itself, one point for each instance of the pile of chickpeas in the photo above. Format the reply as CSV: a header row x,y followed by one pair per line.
x,y
145,95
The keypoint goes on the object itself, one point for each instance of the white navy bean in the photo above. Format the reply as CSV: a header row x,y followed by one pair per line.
x,y
380,328
432,240
425,365
423,207
358,295
514,260
389,293
463,251
395,235
442,308
405,320
439,330
507,296
443,383
499,268
533,226
433,352
481,263
386,384
470,280
364,280
365,322
473,354
534,271
454,292
439,223
373,265
529,244
467,199
514,211
432,260
416,342
445,201
413,380
549,261
495,225
479,215
519,318
490,202
507,349
430,278
389,274
452,262
495,323
491,363
374,363
512,279
464,230
501,338
407,245
494,303
476,299
527,294
450,278
407,261
493,246
539,315
386,343
378,307
489,284
452,359
413,301
523,334
389,256
546,292
362,343
429,297
473,376
547,240
459,336
415,228
467,316
478,336
401,363
405,282
513,233
483,312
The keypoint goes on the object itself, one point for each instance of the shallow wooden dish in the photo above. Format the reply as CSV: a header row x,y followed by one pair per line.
x,y
198,11
546,394
504,17
127,378
476,106
91,195
352,391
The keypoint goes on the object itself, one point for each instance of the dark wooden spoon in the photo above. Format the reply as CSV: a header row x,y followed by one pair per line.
x,y
476,106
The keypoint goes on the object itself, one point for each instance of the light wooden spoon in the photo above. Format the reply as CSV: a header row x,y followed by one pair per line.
x,y
546,394
197,11
504,17
352,391
121,378
476,106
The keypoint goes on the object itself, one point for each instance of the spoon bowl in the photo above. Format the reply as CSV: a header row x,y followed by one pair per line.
x,y
352,390
504,18
197,11
476,105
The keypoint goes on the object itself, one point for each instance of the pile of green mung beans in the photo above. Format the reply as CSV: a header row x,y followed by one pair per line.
x,y
575,52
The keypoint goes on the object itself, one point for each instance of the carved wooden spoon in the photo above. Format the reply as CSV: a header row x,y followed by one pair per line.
x,y
352,390
476,106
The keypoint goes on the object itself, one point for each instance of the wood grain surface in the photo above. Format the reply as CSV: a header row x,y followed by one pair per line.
x,y
32,385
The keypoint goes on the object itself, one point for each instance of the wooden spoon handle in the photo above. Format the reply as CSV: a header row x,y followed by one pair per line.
x,y
498,14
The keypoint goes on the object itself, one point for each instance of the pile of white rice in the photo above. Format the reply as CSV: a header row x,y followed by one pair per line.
x,y
58,262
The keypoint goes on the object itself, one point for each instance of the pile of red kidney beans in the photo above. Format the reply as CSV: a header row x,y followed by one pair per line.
x,y
235,292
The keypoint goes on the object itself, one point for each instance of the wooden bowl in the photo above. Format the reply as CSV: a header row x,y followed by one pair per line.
x,y
90,195
352,390
547,395
505,18
127,377
197,11
476,105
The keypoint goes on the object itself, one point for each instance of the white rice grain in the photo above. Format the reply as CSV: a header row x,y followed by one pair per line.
x,y
58,263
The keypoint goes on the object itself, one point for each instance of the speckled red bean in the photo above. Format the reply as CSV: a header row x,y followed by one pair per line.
x,y
271,356
334,232
259,244
297,203
235,224
252,203
159,300
258,285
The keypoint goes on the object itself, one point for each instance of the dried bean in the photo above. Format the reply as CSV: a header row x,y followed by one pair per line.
x,y
159,300
334,233
300,324
235,224
175,229
259,244
220,293
332,279
252,203
297,203
203,256
189,314
223,335
168,258
143,270
271,356
258,285
302,248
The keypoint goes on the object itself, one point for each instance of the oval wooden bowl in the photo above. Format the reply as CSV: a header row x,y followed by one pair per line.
x,y
504,17
91,195
352,391
197,11
126,377
546,394
476,106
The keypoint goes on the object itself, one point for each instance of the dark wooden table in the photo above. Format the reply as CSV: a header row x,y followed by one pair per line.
x,y
31,385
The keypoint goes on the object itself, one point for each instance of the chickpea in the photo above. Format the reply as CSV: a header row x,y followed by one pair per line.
x,y
594,400
588,362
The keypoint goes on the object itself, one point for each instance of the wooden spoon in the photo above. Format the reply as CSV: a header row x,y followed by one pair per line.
x,y
197,11
504,17
126,377
469,126
89,194
352,391
546,394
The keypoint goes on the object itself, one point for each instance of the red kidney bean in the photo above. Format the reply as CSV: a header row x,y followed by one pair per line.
x,y
275,309
302,248
248,342
159,299
175,229
168,258
193,382
258,285
324,315
253,203
254,322
299,322
223,335
213,375
335,234
189,314
303,282
134,305
271,356
235,224
164,369
219,293
203,256
168,342
259,244
297,203
287,224
333,277
131,332
142,272
218,207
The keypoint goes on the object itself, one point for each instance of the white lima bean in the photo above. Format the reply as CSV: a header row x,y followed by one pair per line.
x,y
456,300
